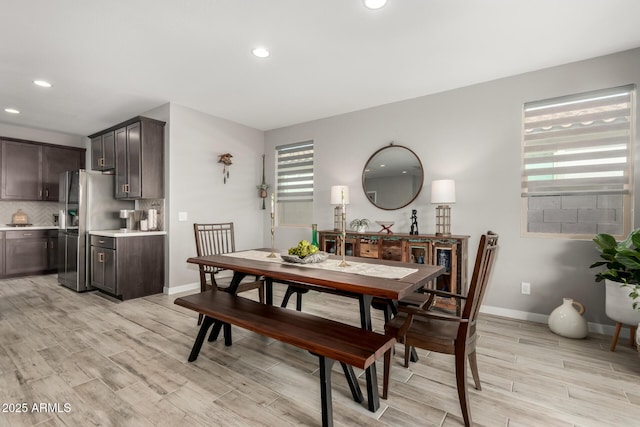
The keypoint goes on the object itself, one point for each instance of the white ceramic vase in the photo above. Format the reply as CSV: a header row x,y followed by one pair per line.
x,y
568,322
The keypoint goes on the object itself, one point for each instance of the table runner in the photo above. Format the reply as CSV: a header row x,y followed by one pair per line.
x,y
361,268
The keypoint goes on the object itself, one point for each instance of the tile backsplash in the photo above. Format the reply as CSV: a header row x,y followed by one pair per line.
x,y
41,213
38,213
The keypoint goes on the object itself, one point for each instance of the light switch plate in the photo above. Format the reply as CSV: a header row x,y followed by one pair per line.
x,y
182,216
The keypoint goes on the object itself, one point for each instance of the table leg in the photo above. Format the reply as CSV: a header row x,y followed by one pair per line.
x,y
365,311
268,281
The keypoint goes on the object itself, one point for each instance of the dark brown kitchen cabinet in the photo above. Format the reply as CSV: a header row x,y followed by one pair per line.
x,y
103,263
31,170
52,250
26,252
103,152
138,158
21,171
128,267
56,160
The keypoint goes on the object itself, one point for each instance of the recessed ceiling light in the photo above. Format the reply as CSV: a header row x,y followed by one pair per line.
x,y
261,52
42,83
375,4
12,110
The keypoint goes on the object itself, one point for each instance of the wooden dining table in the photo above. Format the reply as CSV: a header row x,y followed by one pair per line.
x,y
362,287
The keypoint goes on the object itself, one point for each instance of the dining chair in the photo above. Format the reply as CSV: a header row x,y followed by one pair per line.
x,y
214,239
447,333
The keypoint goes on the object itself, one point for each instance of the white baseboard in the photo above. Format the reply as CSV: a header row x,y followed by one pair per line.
x,y
541,318
182,288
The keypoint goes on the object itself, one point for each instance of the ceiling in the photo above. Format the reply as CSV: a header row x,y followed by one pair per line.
x,y
111,60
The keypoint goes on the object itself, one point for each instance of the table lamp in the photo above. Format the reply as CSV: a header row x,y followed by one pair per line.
x,y
340,198
443,192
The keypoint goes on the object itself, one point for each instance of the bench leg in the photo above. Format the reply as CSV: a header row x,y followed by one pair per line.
x,y
353,382
227,334
373,399
215,332
197,345
325,391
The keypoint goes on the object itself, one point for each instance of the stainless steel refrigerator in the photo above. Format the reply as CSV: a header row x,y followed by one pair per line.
x,y
86,203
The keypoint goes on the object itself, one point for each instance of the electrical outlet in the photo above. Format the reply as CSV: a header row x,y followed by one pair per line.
x,y
182,216
526,288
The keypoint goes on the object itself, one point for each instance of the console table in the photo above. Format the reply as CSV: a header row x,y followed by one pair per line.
x,y
450,252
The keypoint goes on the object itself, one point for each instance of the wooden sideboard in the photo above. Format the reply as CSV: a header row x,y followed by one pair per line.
x,y
450,252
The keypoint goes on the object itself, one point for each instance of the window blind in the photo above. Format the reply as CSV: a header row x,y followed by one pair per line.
x,y
579,144
295,172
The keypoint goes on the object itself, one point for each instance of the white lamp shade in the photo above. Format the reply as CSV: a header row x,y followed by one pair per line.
x,y
336,194
443,191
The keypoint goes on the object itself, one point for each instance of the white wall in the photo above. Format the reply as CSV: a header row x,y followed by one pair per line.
x,y
195,184
471,135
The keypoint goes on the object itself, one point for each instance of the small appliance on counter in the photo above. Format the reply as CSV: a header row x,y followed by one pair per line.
x,y
127,220
19,219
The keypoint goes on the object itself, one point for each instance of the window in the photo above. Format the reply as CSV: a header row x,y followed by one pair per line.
x,y
577,163
294,171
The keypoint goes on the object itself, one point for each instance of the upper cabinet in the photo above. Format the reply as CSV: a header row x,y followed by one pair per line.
x,y
21,171
103,152
139,157
30,170
56,160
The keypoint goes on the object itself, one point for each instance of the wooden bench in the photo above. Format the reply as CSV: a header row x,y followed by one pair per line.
x,y
329,340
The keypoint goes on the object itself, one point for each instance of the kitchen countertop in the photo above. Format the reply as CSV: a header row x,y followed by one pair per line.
x,y
118,233
30,227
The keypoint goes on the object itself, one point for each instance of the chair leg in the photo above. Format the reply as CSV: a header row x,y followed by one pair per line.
x,y
632,336
407,353
616,334
261,294
461,382
473,364
386,374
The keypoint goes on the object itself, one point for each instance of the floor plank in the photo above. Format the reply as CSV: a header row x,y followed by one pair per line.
x,y
125,363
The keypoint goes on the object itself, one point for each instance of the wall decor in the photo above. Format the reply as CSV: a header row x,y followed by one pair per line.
x,y
392,177
263,187
225,159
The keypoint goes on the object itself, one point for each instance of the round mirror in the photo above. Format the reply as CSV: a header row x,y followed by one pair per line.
x,y
392,177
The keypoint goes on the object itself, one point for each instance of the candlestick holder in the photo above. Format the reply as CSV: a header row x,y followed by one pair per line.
x,y
272,254
344,239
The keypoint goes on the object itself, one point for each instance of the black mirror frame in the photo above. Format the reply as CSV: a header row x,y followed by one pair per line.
x,y
392,145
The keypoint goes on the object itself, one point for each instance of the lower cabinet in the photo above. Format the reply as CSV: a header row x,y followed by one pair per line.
x,y
128,267
27,252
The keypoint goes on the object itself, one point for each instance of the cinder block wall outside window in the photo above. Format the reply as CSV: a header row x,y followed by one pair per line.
x,y
587,215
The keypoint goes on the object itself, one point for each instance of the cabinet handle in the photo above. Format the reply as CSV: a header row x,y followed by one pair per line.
x,y
46,193
101,161
27,234
46,245
125,188
101,257
100,241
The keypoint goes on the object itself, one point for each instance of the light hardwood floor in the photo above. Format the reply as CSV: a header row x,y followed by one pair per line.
x,y
125,364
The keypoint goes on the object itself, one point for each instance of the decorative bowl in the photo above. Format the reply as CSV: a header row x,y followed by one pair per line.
x,y
309,259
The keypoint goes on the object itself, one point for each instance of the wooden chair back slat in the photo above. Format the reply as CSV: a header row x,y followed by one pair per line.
x,y
214,239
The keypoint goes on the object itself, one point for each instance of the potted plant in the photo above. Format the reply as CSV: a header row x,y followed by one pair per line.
x,y
622,261
359,225
622,281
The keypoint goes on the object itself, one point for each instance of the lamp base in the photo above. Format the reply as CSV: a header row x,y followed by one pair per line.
x,y
443,220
